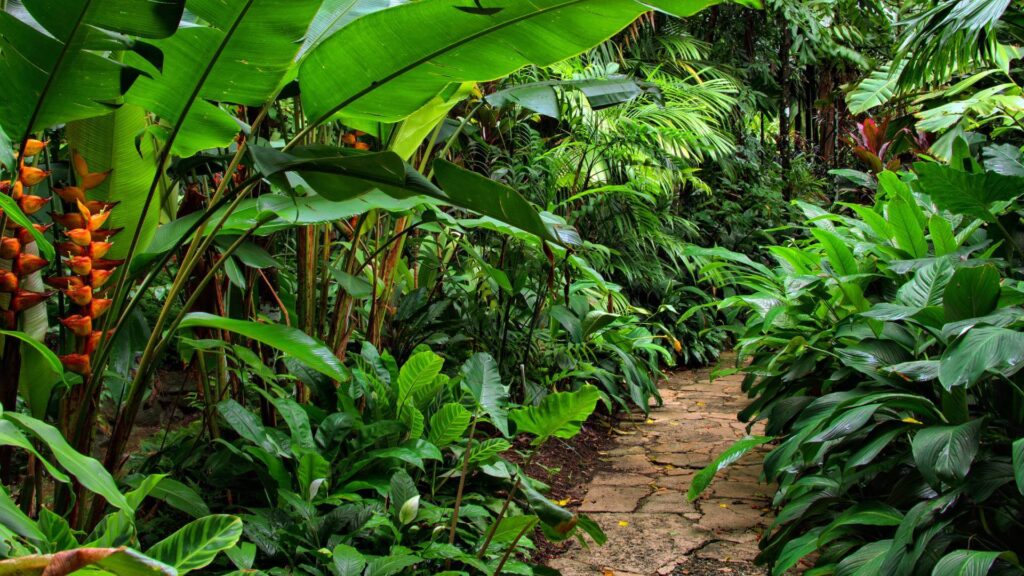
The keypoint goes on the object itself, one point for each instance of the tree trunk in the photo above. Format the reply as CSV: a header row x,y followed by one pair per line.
x,y
784,103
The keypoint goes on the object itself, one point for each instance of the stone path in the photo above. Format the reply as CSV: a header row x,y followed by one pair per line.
x,y
638,494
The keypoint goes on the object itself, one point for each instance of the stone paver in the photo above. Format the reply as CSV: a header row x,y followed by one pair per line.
x,y
638,494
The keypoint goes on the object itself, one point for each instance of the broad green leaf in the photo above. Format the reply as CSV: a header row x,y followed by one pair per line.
x,y
908,232
558,521
839,254
971,293
108,142
448,424
180,496
88,471
927,286
966,563
544,98
964,192
795,549
865,561
61,58
387,86
312,472
487,450
866,514
335,15
415,129
876,89
240,55
879,225
983,350
945,453
51,359
560,414
247,425
702,479
417,377
480,376
297,419
347,561
290,341
13,519
390,565
847,423
197,544
941,232
1004,159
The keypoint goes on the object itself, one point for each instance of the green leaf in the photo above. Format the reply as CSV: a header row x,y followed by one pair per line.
x,y
51,359
908,231
847,423
390,565
928,285
1018,463
966,563
943,239
983,350
971,293
448,424
876,89
865,561
558,520
247,425
88,471
417,377
702,479
62,60
297,419
13,519
487,450
480,376
365,82
1004,159
795,549
347,561
467,189
865,514
839,255
560,414
180,496
290,341
311,473
197,544
415,129
965,192
945,453
543,97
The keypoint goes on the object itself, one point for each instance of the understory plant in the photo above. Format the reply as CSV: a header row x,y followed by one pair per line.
x,y
885,357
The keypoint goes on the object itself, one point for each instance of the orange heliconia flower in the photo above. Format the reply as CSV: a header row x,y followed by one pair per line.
x,y
33,147
81,295
17,191
77,363
30,175
98,250
69,220
62,282
29,263
99,306
25,236
10,248
97,206
79,325
98,278
30,204
362,146
71,194
80,236
25,299
349,139
98,220
86,179
80,265
8,282
94,340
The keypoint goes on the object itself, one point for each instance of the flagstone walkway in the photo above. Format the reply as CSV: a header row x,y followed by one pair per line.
x,y
638,493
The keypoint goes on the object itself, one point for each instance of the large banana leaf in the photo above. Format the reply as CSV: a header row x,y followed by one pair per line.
x,y
336,14
240,54
108,143
433,43
59,57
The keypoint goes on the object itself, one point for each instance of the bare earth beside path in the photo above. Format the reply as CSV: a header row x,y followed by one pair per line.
x,y
638,493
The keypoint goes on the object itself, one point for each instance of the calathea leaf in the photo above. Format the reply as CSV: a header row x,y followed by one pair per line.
x,y
983,350
971,292
945,453
197,544
965,192
702,479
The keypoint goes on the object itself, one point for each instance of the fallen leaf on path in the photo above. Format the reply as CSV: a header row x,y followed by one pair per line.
x,y
623,523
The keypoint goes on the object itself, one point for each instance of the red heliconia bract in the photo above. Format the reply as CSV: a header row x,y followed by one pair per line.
x,y
104,264
63,282
69,220
30,175
80,236
97,278
25,299
30,204
98,250
78,324
99,306
25,235
80,295
77,363
8,282
28,263
80,265
72,249
10,248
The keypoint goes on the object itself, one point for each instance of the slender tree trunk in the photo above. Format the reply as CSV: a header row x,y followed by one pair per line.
x,y
784,103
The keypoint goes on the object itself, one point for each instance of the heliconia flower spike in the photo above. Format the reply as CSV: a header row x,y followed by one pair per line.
x,y
8,282
98,220
25,299
18,190
69,221
64,282
72,249
104,264
78,324
80,265
96,206
77,363
30,204
29,263
97,278
82,295
101,235
94,340
33,147
99,306
71,194
80,236
30,175
10,248
98,250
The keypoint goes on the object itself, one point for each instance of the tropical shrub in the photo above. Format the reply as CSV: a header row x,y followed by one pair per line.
x,y
885,358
